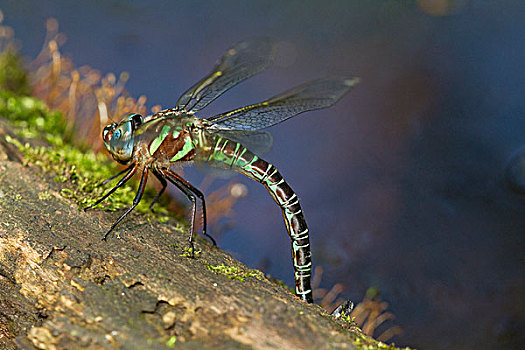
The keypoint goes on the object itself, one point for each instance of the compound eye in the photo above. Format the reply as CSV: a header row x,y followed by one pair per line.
x,y
107,133
117,133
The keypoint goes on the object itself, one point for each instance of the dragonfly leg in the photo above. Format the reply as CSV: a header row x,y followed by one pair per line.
x,y
200,195
176,181
190,191
163,182
117,175
136,201
131,171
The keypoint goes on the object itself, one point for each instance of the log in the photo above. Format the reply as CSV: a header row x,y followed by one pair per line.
x,y
62,287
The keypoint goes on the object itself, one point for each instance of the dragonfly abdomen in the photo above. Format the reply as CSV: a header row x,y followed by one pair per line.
x,y
227,153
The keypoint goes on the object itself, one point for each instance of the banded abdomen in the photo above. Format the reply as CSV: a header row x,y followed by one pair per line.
x,y
229,154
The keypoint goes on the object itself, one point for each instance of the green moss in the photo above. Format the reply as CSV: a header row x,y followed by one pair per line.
x,y
235,272
188,254
364,342
282,284
171,341
13,77
33,119
83,171
45,195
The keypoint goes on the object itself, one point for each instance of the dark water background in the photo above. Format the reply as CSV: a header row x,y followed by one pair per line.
x,y
401,182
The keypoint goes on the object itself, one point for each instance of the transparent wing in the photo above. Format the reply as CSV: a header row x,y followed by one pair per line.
x,y
312,95
242,61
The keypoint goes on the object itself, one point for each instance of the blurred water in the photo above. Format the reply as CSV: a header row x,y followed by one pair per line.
x,y
401,182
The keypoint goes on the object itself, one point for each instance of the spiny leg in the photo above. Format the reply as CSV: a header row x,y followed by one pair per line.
x,y
200,195
136,201
193,200
164,184
117,175
190,191
131,171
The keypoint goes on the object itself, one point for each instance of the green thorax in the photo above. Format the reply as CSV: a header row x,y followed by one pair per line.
x,y
173,139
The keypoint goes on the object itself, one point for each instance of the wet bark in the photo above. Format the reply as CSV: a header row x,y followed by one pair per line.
x,y
62,287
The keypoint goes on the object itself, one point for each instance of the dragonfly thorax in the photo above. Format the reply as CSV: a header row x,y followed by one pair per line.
x,y
119,139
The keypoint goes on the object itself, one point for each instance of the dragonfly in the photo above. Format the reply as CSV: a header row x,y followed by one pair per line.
x,y
154,144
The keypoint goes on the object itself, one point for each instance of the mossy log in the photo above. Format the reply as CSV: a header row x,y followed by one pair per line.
x,y
62,287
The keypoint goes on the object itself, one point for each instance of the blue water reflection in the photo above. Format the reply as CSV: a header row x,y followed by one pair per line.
x,y
402,181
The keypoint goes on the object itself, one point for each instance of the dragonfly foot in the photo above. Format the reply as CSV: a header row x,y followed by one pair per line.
x,y
192,249
210,238
91,206
105,238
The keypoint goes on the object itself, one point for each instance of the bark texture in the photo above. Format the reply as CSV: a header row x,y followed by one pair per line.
x,y
62,287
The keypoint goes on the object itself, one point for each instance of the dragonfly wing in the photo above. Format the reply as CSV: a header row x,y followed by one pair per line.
x,y
310,96
240,62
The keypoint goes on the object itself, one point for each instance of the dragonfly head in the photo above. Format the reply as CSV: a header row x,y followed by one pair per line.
x,y
119,138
